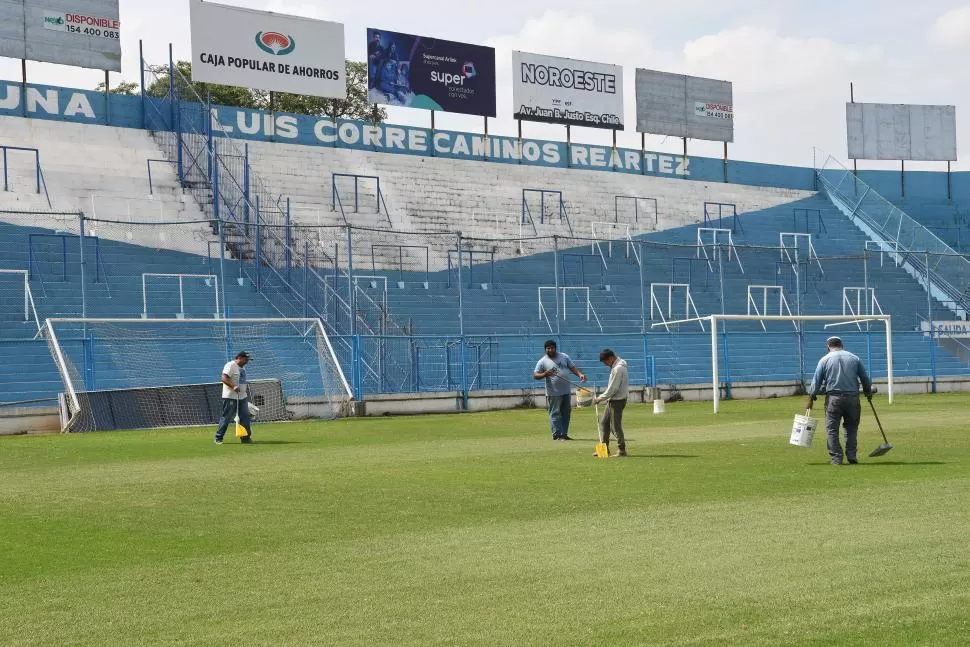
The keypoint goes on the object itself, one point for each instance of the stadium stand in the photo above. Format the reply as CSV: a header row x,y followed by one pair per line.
x,y
373,249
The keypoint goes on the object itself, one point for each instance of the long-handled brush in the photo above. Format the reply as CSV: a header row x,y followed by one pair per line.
x,y
885,446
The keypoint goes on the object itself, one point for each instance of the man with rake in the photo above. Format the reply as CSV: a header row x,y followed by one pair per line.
x,y
615,396
842,373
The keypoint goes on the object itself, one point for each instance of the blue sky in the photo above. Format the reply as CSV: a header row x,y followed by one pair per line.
x,y
790,61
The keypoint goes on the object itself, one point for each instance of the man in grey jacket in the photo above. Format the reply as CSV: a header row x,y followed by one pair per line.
x,y
842,373
616,393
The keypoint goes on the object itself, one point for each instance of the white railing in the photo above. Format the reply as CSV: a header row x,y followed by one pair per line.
x,y
881,246
786,250
30,310
783,308
860,301
656,307
584,296
211,280
609,232
718,238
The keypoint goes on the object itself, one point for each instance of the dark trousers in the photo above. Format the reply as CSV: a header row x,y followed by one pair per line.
x,y
847,410
560,409
613,418
229,408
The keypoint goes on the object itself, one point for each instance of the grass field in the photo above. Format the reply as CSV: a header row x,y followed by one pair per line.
x,y
480,530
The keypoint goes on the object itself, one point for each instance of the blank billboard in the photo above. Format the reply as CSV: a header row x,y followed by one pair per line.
x,y
684,106
83,33
884,131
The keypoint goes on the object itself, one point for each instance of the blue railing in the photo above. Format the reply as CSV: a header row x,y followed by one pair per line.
x,y
41,183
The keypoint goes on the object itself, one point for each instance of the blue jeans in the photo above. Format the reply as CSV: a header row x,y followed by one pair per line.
x,y
559,407
229,407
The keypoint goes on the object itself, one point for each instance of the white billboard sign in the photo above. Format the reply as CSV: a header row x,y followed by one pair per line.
x,y
684,106
884,131
266,50
82,33
567,91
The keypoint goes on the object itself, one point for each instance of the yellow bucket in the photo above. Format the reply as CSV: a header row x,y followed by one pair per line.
x,y
584,397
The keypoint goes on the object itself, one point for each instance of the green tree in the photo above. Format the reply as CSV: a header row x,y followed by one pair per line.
x,y
127,88
355,106
224,95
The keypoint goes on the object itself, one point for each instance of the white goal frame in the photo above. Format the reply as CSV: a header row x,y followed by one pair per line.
x,y
835,319
47,331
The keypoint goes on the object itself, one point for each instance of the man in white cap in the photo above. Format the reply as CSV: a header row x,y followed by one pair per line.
x,y
842,373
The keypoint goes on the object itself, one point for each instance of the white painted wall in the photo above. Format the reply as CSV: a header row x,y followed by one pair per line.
x,y
103,172
482,199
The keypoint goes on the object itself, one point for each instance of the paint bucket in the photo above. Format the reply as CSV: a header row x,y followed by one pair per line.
x,y
803,430
584,397
659,406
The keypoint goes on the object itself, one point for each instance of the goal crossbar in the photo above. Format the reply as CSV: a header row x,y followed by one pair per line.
x,y
835,321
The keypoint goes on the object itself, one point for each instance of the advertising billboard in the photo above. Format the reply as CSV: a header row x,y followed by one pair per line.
x,y
430,73
82,33
567,91
884,131
267,50
684,106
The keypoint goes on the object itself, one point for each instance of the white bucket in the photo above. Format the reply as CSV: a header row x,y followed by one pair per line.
x,y
659,406
803,430
584,397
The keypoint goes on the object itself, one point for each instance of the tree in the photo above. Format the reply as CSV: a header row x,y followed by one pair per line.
x,y
355,106
127,88
188,90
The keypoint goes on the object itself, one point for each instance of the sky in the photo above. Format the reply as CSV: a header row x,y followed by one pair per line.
x,y
791,62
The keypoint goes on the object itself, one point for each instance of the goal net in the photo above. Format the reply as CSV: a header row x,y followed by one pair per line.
x,y
746,349
153,373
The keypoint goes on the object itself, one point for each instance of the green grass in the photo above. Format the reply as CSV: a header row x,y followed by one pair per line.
x,y
480,530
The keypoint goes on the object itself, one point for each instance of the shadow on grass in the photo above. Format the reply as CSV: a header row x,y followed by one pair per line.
x,y
266,442
662,456
880,463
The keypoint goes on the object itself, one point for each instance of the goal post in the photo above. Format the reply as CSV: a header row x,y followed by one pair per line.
x,y
154,373
830,321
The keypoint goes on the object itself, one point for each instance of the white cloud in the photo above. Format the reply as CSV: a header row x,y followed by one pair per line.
x,y
952,29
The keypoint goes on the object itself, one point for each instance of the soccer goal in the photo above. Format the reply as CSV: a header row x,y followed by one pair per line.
x,y
154,373
775,349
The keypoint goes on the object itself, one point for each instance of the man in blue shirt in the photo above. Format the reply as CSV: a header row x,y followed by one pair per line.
x,y
551,368
842,373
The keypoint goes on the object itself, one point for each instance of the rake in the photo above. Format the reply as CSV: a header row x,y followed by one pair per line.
x,y
884,448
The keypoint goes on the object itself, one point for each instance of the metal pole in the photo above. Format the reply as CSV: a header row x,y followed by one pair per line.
x,y
555,271
889,358
461,318
176,114
461,333
107,98
84,295
23,78
181,297
714,369
350,279
929,322
141,77
306,279
222,266
643,305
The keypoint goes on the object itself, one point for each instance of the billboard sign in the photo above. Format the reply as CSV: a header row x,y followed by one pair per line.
x,y
430,73
684,106
567,91
883,131
81,33
267,50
